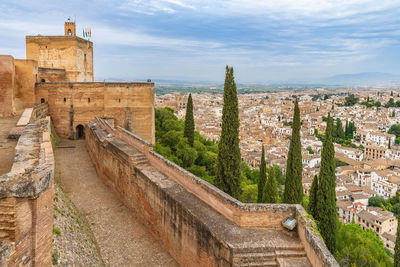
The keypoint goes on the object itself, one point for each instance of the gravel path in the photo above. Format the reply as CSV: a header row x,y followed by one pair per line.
x,y
120,235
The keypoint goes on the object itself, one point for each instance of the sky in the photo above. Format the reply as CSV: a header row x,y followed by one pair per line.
x,y
266,41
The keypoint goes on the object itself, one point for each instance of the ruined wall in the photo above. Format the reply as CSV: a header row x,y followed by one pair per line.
x,y
71,53
73,104
26,200
26,74
52,75
7,76
197,223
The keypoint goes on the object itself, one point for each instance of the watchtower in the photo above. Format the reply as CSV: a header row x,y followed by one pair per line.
x,y
69,28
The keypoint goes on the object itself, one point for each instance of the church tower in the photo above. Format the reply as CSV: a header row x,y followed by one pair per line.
x,y
69,28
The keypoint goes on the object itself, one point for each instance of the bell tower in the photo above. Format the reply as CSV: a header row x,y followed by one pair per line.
x,y
69,28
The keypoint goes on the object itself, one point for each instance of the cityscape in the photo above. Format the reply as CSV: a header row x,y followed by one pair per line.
x,y
200,133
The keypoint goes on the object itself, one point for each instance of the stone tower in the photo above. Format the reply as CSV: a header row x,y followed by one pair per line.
x,y
69,28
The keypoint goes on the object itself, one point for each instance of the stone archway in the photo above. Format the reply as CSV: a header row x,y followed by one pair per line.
x,y
80,132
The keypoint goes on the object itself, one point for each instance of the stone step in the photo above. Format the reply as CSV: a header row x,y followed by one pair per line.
x,y
256,263
7,213
250,257
290,253
296,261
140,162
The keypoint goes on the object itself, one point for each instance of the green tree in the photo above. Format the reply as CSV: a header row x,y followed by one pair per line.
x,y
294,168
312,204
228,163
189,121
350,100
395,129
377,104
326,195
358,247
391,93
339,129
263,176
271,188
397,247
346,129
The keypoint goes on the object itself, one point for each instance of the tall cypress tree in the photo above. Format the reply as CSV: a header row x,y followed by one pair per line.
x,y
339,128
312,204
227,176
263,176
271,188
326,195
294,167
397,247
189,121
346,131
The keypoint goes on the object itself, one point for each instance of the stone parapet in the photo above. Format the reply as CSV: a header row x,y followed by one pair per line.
x,y
26,200
157,180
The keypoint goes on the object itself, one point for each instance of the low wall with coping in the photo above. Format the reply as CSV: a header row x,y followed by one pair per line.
x,y
102,138
26,200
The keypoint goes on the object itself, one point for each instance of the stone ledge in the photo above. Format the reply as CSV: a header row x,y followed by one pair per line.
x,y
33,168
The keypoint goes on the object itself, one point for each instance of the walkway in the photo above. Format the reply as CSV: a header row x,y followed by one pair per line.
x,y
122,239
7,146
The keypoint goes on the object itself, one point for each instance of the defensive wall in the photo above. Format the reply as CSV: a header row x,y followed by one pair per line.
x,y
26,195
130,104
196,222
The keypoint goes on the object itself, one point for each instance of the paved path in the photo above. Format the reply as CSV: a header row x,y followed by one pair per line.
x,y
121,237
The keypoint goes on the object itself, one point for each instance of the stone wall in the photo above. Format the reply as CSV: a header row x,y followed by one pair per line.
x,y
197,223
26,200
7,76
71,53
52,75
26,74
72,104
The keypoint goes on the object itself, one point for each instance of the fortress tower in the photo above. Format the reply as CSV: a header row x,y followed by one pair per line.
x,y
69,28
65,58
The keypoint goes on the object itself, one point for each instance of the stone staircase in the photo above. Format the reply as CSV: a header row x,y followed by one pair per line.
x,y
7,218
139,159
265,257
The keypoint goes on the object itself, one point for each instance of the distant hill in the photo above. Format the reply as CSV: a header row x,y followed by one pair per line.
x,y
362,78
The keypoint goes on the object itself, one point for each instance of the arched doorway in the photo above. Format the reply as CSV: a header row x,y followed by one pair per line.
x,y
80,132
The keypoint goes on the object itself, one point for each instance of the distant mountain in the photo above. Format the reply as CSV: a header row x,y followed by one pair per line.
x,y
362,78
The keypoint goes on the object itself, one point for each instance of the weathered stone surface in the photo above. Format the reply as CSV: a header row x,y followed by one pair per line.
x,y
71,53
26,200
197,223
7,76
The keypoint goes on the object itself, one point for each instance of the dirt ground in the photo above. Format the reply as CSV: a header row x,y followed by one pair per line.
x,y
7,146
120,236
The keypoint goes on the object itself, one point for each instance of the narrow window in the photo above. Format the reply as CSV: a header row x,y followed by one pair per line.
x,y
119,100
88,100
65,100
42,100
43,80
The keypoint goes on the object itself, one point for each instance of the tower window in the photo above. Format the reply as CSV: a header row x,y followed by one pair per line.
x,y
69,32
42,100
65,100
43,80
119,100
88,100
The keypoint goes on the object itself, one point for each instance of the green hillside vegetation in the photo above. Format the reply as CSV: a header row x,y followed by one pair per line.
x,y
201,159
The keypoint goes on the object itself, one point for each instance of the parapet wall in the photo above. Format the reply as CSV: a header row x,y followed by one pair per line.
x,y
198,224
26,200
7,77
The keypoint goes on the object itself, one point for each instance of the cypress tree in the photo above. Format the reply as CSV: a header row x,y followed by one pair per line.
x,y
263,177
397,247
189,121
312,204
346,131
271,188
294,167
339,128
227,176
326,195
